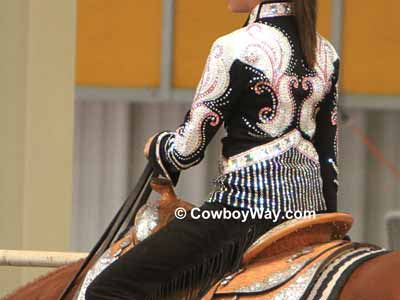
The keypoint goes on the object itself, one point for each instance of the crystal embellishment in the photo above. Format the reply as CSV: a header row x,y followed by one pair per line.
x,y
105,260
297,289
146,220
274,280
267,151
270,10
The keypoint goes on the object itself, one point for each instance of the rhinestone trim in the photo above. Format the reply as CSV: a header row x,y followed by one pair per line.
x,y
146,220
271,10
274,280
104,261
268,151
158,156
296,290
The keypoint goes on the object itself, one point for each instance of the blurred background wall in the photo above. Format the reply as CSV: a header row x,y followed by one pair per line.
x,y
37,80
71,156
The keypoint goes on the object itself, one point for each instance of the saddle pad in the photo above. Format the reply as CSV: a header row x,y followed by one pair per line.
x,y
269,274
333,278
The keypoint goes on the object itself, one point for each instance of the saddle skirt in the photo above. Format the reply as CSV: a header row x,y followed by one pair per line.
x,y
277,277
305,274
297,260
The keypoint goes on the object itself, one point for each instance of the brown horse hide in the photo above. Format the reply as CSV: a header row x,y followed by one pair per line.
x,y
378,278
49,286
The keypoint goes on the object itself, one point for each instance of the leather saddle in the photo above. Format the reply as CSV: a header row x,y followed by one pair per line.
x,y
281,264
284,262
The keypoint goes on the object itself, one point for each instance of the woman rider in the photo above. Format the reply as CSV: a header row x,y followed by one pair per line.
x,y
273,84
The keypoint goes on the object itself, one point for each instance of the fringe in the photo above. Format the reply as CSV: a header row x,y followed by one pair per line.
x,y
194,282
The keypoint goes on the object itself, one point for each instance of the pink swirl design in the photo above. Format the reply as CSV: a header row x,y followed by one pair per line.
x,y
334,116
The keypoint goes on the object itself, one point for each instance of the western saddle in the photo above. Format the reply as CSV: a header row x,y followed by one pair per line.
x,y
280,265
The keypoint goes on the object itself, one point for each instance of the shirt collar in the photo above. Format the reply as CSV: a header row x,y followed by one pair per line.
x,y
270,9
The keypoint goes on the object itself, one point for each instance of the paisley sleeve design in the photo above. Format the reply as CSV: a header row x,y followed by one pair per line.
x,y
273,59
213,102
320,84
326,140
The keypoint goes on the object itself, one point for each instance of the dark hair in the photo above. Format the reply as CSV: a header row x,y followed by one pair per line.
x,y
306,16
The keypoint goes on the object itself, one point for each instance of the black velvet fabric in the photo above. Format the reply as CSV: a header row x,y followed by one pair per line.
x,y
183,258
244,105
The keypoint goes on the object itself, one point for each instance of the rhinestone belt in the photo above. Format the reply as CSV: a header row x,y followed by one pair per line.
x,y
292,139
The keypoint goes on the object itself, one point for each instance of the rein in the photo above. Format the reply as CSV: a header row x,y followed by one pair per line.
x,y
128,211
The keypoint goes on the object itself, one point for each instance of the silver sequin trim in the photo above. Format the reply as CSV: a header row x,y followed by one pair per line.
x,y
146,220
289,181
293,139
158,156
274,280
297,289
105,260
270,10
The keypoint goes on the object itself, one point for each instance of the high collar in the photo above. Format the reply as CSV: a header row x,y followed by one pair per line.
x,y
270,9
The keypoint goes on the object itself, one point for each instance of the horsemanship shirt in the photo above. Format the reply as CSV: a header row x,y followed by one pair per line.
x,y
279,115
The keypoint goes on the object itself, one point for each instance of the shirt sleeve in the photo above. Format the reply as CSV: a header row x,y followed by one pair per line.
x,y
326,141
214,101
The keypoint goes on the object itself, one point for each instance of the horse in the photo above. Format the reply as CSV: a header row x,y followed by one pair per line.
x,y
299,259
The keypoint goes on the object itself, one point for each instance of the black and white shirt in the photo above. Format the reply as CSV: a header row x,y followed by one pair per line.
x,y
280,117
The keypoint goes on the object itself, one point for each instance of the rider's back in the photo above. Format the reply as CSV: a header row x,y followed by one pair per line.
x,y
280,148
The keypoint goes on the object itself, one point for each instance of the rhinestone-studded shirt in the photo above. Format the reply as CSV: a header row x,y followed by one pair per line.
x,y
280,118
